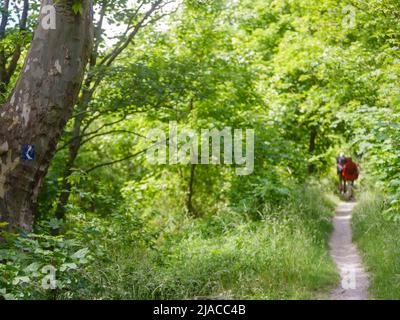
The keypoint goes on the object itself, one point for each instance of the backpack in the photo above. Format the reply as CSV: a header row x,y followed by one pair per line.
x,y
350,172
351,168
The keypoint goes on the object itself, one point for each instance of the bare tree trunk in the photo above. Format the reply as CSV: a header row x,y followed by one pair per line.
x,y
189,204
7,71
311,149
83,104
4,17
40,106
74,147
4,20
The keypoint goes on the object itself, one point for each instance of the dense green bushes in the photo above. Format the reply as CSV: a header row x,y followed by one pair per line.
x,y
307,83
34,266
229,255
377,233
282,255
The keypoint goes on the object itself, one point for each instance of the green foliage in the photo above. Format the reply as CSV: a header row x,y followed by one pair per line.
x,y
377,233
306,77
227,256
28,260
77,7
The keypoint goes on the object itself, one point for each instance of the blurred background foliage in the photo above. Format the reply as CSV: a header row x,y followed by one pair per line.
x,y
311,78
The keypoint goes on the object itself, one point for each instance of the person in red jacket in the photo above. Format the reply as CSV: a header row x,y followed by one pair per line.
x,y
350,172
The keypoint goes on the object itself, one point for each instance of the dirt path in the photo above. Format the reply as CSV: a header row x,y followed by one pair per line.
x,y
354,280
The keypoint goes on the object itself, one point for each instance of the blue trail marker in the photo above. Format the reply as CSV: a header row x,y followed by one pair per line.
x,y
28,152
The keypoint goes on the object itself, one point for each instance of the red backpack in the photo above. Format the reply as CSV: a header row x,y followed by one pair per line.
x,y
350,171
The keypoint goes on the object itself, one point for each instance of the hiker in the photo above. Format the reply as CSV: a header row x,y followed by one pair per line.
x,y
350,172
340,162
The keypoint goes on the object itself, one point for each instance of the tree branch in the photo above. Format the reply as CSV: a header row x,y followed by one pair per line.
x,y
130,156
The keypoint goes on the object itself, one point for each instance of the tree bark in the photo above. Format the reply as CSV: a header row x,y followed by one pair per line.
x,y
311,149
83,104
3,25
4,18
189,196
41,103
7,71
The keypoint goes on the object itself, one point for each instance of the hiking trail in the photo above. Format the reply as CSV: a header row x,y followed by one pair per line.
x,y
353,277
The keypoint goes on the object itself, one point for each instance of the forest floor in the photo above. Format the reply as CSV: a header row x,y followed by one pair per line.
x,y
354,279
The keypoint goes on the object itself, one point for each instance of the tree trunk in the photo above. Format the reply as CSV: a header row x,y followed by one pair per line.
x,y
7,71
189,204
65,184
82,107
4,20
311,149
40,106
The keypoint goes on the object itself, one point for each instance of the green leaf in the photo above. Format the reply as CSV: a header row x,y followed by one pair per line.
x,y
80,253
3,224
21,280
33,267
55,223
77,7
68,267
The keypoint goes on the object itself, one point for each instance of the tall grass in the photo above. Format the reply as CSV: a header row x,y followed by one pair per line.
x,y
377,233
283,256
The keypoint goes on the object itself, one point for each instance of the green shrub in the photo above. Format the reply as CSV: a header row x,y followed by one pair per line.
x,y
282,256
377,233
36,266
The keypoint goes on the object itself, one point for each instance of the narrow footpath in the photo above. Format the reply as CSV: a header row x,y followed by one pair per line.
x,y
354,279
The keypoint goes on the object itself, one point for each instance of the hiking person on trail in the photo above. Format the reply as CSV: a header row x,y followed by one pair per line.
x,y
350,172
340,162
